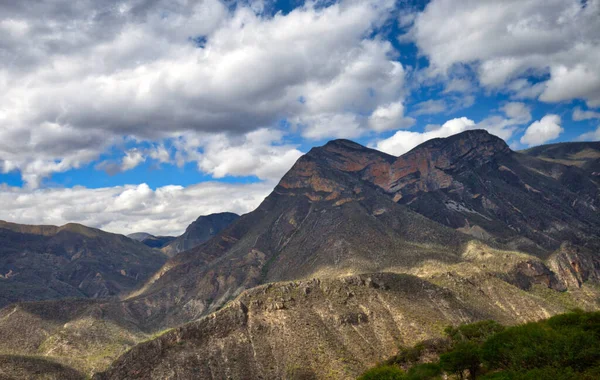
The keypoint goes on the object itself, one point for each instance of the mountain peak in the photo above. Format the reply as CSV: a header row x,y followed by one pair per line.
x,y
479,139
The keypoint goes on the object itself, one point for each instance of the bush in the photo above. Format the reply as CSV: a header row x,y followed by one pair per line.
x,y
385,372
564,347
427,371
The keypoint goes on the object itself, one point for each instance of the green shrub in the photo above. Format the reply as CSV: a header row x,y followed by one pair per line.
x,y
385,372
426,371
465,356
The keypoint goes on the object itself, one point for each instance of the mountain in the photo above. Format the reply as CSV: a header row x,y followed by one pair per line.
x,y
353,253
151,240
584,155
201,230
49,262
345,209
140,236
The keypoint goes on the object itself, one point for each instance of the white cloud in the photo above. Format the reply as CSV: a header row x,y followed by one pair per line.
x,y
101,71
133,158
126,209
389,117
591,136
257,153
542,131
430,107
515,114
507,40
458,85
579,114
403,141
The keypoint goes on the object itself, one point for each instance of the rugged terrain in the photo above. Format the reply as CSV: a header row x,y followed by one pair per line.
x,y
49,262
200,231
151,240
457,230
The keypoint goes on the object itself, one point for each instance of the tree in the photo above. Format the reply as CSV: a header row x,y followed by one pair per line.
x,y
465,356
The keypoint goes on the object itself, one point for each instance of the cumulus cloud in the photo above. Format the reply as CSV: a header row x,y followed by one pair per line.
x,y
255,154
133,158
508,40
403,141
389,117
591,136
100,71
515,114
542,131
579,114
126,209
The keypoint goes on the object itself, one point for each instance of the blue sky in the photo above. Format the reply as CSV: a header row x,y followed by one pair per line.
x,y
147,102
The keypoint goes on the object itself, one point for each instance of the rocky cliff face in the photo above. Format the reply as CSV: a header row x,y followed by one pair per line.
x,y
48,262
200,231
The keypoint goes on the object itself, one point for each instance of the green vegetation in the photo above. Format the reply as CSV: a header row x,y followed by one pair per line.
x,y
564,347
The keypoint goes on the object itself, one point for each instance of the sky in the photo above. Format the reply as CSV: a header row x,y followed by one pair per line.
x,y
141,115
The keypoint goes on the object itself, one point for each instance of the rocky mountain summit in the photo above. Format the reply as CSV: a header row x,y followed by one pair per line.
x,y
353,253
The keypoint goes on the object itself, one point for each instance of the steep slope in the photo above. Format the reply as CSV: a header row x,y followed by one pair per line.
x,y
48,262
200,231
473,182
329,328
345,209
580,154
318,221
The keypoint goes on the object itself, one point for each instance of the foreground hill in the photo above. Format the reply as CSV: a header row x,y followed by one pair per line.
x,y
49,262
328,328
200,231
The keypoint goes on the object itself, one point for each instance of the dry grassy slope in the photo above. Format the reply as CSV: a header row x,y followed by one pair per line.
x,y
49,262
26,368
329,328
579,154
82,334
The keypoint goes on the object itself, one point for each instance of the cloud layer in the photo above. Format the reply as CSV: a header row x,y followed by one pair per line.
x,y
133,208
505,42
87,74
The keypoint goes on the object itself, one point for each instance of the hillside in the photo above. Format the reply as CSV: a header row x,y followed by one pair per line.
x,y
50,262
152,241
200,231
328,328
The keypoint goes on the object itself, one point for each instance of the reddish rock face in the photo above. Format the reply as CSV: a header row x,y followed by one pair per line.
x,y
471,181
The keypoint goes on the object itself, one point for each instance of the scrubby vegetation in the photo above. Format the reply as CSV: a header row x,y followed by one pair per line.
x,y
564,347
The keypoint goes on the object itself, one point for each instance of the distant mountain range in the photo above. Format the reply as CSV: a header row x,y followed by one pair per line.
x,y
49,262
354,253
200,231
